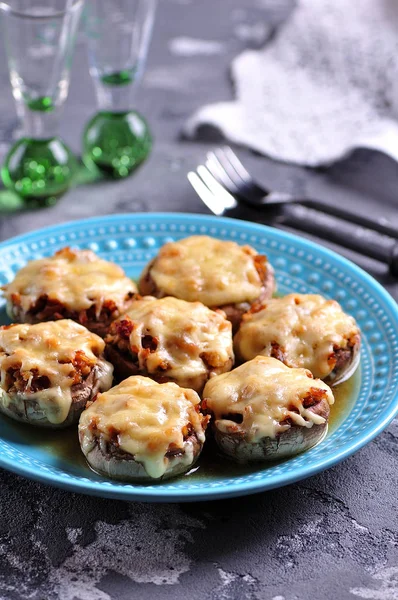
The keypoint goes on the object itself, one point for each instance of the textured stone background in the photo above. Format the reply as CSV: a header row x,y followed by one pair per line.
x,y
331,537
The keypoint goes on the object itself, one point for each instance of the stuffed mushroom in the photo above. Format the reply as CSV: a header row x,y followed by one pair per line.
x,y
169,339
49,371
141,430
218,273
72,284
264,410
302,330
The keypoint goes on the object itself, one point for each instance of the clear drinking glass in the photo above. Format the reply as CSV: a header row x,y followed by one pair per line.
x,y
39,37
117,139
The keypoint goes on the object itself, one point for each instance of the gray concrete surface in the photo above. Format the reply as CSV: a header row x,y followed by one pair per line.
x,y
331,537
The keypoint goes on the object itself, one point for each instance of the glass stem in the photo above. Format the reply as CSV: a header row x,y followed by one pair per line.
x,y
39,124
114,98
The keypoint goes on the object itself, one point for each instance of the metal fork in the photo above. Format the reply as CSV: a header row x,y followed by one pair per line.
x,y
226,167
223,173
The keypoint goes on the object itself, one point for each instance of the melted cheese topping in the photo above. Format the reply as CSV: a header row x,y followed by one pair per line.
x,y
146,417
211,271
76,278
306,327
264,391
47,349
191,338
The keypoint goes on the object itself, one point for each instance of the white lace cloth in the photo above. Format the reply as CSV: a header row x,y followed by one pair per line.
x,y
324,85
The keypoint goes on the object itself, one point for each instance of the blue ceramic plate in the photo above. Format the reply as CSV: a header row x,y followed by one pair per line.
x,y
371,398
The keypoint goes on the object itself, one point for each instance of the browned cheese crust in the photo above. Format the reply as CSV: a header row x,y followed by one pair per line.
x,y
72,284
293,441
304,331
169,339
143,431
266,411
246,274
44,374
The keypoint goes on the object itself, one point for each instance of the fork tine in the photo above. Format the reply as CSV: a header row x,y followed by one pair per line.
x,y
212,203
246,190
247,187
228,169
237,165
218,171
218,190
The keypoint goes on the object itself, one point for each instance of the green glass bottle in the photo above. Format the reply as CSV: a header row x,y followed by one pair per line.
x,y
117,139
116,143
39,170
39,167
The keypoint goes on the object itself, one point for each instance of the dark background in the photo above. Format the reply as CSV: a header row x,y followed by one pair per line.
x,y
333,536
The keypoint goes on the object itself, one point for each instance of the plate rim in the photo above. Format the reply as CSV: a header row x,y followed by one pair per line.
x,y
123,491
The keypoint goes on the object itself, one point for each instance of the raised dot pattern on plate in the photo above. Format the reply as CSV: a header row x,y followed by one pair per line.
x,y
132,240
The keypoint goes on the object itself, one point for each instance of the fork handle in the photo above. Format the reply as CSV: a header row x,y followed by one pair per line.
x,y
344,234
346,215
